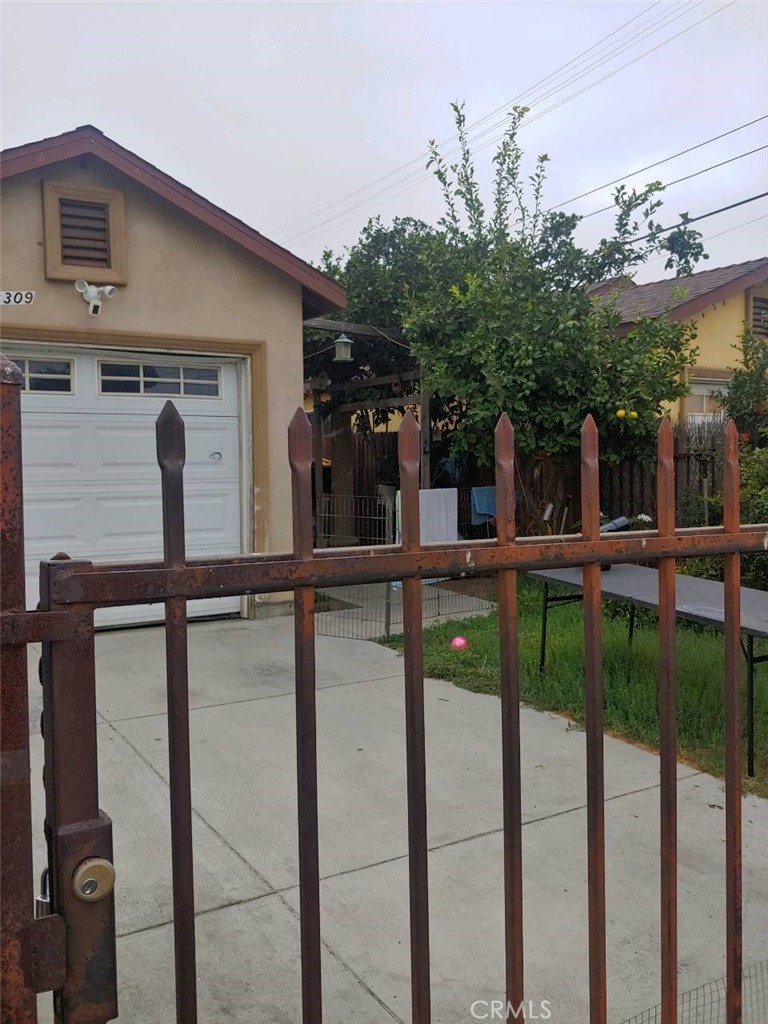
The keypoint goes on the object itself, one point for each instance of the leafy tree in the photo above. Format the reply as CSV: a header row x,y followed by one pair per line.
x,y
745,397
516,328
381,272
496,309
384,272
385,267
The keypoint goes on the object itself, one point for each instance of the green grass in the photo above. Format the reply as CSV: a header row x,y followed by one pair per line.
x,y
631,700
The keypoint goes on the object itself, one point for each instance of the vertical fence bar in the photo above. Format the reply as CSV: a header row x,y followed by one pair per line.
x,y
171,455
76,829
732,584
389,538
667,727
510,716
300,455
409,458
593,670
16,893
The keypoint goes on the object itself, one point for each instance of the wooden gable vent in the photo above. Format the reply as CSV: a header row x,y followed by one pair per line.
x,y
84,233
760,315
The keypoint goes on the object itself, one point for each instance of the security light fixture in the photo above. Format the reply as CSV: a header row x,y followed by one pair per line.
x,y
93,294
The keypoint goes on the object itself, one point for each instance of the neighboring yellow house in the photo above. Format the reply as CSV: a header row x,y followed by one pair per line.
x,y
719,301
196,307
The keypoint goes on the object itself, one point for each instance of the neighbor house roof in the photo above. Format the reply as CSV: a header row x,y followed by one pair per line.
x,y
320,292
683,296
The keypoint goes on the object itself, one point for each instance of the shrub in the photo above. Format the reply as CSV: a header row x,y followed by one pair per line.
x,y
754,509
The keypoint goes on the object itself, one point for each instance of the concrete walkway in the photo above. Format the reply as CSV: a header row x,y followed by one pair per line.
x,y
242,725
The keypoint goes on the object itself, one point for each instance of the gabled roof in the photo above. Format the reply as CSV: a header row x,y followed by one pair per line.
x,y
683,297
321,293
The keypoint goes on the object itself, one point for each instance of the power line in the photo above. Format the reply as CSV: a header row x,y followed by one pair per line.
x,y
616,71
736,227
312,232
709,238
497,110
703,216
658,163
687,177
419,176
649,30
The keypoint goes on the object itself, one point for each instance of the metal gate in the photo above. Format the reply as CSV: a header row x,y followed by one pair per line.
x,y
70,948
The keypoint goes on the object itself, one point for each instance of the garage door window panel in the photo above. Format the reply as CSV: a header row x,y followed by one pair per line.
x,y
159,379
47,375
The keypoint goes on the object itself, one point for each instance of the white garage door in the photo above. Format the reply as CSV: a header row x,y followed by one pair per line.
x,y
91,479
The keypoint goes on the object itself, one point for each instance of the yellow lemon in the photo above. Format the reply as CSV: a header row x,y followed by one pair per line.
x,y
633,415
621,413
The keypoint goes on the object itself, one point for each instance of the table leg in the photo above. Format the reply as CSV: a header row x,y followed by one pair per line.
x,y
631,638
544,614
750,706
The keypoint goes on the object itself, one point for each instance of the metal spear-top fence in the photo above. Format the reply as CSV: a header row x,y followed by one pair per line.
x,y
81,969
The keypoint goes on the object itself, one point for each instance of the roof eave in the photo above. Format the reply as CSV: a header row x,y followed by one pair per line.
x,y
685,310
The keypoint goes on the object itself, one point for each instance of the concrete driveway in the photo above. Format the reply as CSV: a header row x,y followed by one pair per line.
x,y
242,726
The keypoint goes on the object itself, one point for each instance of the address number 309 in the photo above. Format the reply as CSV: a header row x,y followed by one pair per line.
x,y
16,298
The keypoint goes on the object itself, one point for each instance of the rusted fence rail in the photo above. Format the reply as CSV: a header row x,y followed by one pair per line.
x,y
78,833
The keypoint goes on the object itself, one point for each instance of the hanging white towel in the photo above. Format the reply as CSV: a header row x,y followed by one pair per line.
x,y
439,515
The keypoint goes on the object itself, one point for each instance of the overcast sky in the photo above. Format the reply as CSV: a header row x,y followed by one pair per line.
x,y
279,111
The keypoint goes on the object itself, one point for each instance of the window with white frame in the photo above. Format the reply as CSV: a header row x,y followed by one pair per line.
x,y
46,375
700,404
189,381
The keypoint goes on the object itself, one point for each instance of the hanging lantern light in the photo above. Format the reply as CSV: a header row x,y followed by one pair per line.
x,y
342,349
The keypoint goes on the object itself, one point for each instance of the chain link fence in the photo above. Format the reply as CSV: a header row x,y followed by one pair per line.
x,y
706,1004
375,610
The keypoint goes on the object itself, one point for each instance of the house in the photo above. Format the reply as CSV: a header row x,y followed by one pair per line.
x,y
720,302
194,306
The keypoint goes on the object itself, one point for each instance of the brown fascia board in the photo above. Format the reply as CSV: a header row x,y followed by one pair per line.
x,y
701,302
91,141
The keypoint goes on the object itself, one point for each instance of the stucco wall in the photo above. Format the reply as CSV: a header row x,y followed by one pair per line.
x,y
718,330
185,281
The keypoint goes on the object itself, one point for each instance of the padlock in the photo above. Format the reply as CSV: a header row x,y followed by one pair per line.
x,y
43,901
94,879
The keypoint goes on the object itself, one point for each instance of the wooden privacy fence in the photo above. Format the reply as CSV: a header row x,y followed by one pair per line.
x,y
71,950
626,489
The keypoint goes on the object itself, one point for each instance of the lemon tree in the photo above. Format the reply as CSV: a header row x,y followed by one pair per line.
x,y
511,325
